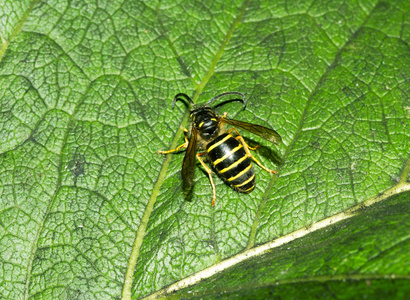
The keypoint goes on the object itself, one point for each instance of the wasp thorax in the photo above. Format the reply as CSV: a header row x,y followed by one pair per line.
x,y
206,121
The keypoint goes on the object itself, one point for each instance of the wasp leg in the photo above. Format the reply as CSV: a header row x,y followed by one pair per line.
x,y
183,146
243,141
247,147
208,170
232,129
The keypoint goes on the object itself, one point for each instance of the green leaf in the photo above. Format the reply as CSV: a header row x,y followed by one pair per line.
x,y
305,268
90,210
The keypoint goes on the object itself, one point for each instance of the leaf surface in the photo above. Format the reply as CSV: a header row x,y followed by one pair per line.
x,y
89,209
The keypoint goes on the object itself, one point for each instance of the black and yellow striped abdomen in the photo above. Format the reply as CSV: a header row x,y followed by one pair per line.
x,y
231,162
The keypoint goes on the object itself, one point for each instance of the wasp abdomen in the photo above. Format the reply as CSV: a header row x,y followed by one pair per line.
x,y
231,162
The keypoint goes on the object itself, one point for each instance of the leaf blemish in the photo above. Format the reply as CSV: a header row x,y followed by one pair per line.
x,y
76,166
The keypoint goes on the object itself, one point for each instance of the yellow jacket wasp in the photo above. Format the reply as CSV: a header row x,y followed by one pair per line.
x,y
226,149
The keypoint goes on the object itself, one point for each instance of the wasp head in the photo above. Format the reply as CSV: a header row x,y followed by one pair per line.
x,y
206,121
204,118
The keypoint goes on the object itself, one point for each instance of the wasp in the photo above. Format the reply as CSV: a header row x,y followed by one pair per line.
x,y
226,149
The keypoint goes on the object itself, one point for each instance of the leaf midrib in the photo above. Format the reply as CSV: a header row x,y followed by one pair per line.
x,y
126,291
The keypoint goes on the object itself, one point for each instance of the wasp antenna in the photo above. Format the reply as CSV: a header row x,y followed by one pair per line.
x,y
178,97
230,93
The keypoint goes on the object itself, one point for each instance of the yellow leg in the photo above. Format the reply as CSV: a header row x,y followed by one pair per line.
x,y
247,147
243,141
183,146
208,170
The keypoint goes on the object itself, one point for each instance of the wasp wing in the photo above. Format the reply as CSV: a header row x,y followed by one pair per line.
x,y
188,166
266,133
